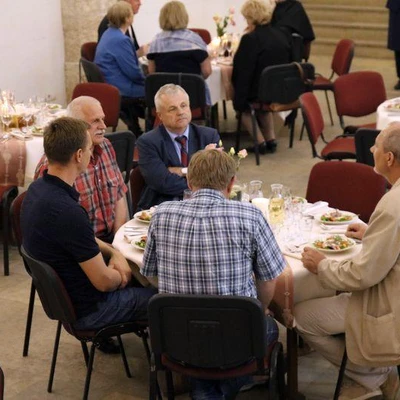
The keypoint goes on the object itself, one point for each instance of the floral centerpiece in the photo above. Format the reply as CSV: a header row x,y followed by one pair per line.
x,y
222,23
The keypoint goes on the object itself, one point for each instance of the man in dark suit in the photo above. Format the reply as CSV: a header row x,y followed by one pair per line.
x,y
165,151
135,4
394,34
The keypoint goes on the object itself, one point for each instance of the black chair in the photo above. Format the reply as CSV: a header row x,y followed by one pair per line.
x,y
211,337
88,51
7,194
279,90
92,71
365,139
137,185
58,306
194,86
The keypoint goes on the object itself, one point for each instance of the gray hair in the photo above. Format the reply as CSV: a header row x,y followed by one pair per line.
x,y
391,139
77,107
167,90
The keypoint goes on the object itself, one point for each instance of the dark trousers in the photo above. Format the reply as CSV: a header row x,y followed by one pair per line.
x,y
397,59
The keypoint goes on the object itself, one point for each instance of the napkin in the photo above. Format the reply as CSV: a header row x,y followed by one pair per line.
x,y
313,209
21,136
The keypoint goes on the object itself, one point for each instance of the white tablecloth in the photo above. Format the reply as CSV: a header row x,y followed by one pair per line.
x,y
384,117
34,151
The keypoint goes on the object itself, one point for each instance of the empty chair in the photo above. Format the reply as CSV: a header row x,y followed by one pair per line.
x,y
341,62
58,306
7,194
365,139
107,95
340,148
347,186
212,337
88,50
194,86
359,94
203,33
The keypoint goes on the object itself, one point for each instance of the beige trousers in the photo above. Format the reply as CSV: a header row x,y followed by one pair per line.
x,y
321,322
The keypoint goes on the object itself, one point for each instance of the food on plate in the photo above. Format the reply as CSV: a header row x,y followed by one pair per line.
x,y
335,243
393,106
142,242
336,216
145,216
36,130
297,200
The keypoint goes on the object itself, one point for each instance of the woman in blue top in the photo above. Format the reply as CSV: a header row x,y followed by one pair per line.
x,y
118,62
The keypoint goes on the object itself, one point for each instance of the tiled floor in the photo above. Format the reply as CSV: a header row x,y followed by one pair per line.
x,y
26,378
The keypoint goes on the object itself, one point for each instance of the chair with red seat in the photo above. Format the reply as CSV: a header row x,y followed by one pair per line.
x,y
88,51
203,33
358,94
340,148
341,62
212,337
107,95
7,194
58,306
347,186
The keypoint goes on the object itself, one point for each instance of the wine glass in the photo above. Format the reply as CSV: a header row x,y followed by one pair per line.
x,y
6,115
27,114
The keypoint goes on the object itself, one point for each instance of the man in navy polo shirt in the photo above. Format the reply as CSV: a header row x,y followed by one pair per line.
x,y
57,230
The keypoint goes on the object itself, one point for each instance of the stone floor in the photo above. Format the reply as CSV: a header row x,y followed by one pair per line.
x,y
26,378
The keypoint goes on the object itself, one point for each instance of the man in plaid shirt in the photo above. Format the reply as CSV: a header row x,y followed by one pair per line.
x,y
211,245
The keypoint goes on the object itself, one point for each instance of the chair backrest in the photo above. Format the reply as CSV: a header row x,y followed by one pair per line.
x,y
137,184
53,295
365,139
107,95
284,83
88,50
15,216
347,186
92,71
313,119
1,384
123,143
203,33
358,93
193,84
207,331
342,57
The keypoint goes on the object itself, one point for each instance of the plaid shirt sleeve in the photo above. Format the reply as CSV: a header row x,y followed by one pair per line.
x,y
149,267
43,164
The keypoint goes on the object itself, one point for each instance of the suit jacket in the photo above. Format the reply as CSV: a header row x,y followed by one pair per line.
x,y
157,153
394,24
103,26
372,324
263,47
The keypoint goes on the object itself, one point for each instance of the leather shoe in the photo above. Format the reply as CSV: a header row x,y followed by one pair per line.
x,y
272,145
397,86
108,346
262,148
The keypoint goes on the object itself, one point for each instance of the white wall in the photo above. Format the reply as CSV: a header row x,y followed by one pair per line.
x,y
32,48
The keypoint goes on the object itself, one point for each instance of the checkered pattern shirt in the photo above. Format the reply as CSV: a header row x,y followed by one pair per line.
x,y
210,245
100,187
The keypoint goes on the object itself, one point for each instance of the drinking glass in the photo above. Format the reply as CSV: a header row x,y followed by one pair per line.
x,y
27,114
255,190
6,115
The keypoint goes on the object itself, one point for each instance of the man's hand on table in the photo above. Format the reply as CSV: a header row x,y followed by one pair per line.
x,y
311,258
356,231
119,263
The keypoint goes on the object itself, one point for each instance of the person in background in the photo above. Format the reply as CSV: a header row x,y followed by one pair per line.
x,y
394,34
223,247
140,50
368,312
56,230
165,151
176,48
261,46
119,64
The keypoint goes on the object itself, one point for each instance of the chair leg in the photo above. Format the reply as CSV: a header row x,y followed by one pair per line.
x,y
85,353
274,364
29,320
239,125
254,127
89,372
170,385
302,131
123,355
6,259
224,109
292,126
329,106
153,379
54,360
340,376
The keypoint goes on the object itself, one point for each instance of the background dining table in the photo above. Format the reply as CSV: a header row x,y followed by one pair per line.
x,y
384,116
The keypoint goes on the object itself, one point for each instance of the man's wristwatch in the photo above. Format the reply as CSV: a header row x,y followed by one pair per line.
x,y
184,171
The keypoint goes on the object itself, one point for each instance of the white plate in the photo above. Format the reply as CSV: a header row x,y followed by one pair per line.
x,y
137,239
139,213
299,200
392,107
353,243
353,217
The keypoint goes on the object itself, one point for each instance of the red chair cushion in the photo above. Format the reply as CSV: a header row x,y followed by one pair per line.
x,y
339,148
322,83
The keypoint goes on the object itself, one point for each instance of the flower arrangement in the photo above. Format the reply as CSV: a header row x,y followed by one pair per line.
x,y
240,155
222,23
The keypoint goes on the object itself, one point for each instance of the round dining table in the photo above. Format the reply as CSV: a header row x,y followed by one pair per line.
x,y
385,114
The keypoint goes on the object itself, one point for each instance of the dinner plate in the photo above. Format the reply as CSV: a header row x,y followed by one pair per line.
x,y
352,215
352,243
393,107
139,213
298,199
137,239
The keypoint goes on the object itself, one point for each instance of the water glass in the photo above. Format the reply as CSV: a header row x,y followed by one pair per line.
x,y
306,226
187,194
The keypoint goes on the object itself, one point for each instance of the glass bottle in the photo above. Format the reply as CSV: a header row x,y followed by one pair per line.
x,y
276,205
255,190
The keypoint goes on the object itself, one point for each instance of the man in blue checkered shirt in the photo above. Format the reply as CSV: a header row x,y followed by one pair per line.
x,y
211,245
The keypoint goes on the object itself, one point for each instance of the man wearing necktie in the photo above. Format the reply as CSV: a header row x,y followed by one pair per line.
x,y
165,151
135,4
